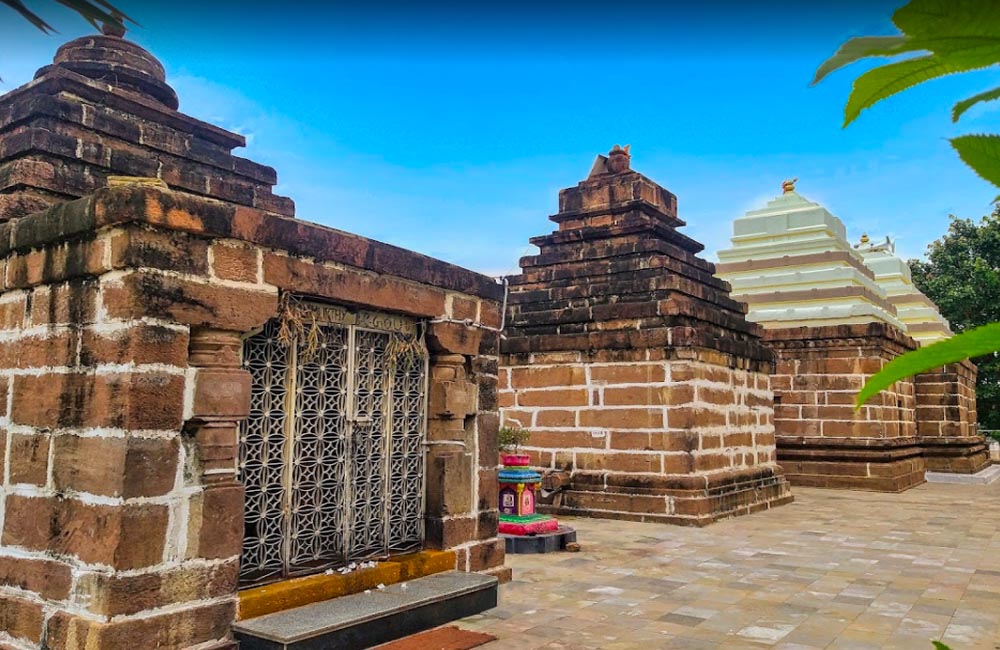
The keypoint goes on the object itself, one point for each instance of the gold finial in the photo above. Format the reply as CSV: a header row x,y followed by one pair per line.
x,y
788,186
864,238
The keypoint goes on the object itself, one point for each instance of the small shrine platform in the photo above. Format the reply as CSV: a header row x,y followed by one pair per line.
x,y
555,540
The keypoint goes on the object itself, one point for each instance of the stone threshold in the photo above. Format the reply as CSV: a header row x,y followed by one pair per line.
x,y
297,592
982,477
370,618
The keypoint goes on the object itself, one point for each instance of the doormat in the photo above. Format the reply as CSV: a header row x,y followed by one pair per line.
x,y
441,638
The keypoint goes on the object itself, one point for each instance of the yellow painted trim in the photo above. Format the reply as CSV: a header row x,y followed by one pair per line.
x,y
297,592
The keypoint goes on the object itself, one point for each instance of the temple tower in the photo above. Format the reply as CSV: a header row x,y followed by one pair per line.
x,y
640,379
156,300
835,314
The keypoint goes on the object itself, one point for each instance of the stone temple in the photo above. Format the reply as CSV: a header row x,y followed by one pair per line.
x,y
640,378
226,427
211,406
834,315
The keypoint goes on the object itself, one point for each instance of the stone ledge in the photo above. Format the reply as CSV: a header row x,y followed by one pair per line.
x,y
206,217
363,620
832,335
306,590
56,80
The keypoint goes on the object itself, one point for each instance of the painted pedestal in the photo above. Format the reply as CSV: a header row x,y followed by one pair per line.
x,y
518,487
523,529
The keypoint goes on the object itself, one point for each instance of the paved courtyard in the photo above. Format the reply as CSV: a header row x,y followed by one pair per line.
x,y
835,569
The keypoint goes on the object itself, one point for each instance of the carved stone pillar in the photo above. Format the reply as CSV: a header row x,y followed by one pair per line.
x,y
450,455
220,401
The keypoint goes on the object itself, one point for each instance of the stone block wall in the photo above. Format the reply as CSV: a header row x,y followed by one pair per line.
x,y
946,419
121,515
621,428
822,441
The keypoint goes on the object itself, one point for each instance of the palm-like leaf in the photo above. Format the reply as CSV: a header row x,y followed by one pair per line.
x,y
94,12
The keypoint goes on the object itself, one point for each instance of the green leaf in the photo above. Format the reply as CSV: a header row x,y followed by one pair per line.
x,y
940,646
982,153
966,104
953,28
92,14
973,343
860,48
885,81
28,15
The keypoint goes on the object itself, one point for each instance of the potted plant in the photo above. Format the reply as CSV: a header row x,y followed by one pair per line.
x,y
509,440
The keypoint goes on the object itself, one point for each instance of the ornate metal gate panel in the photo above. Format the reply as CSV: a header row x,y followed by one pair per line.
x,y
332,453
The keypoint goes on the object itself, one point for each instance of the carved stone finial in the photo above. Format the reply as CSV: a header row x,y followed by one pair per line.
x,y
619,159
788,186
864,238
114,29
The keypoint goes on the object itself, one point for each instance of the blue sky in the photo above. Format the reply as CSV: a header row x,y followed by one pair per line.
x,y
450,129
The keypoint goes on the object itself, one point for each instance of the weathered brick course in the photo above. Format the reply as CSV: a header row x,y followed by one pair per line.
x,y
21,618
48,578
129,400
116,467
123,537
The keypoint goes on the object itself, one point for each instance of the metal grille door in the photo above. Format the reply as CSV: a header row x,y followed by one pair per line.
x,y
332,453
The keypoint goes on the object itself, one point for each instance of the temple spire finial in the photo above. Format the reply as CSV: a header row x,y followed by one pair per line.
x,y
788,186
117,30
619,159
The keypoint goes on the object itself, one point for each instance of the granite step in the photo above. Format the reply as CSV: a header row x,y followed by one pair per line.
x,y
368,619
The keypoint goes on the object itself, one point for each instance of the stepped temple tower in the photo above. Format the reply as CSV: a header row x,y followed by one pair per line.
x,y
642,382
834,315
204,396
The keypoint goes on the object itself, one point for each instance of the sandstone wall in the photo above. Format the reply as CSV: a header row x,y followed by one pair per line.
x,y
822,440
617,425
122,321
946,419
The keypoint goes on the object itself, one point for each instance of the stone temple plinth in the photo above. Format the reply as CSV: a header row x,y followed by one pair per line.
x,y
639,377
835,315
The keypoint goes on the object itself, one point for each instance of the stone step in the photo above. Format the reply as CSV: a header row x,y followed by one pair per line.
x,y
368,619
982,477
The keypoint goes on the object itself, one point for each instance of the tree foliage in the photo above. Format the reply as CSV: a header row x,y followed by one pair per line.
x,y
94,12
938,37
962,276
